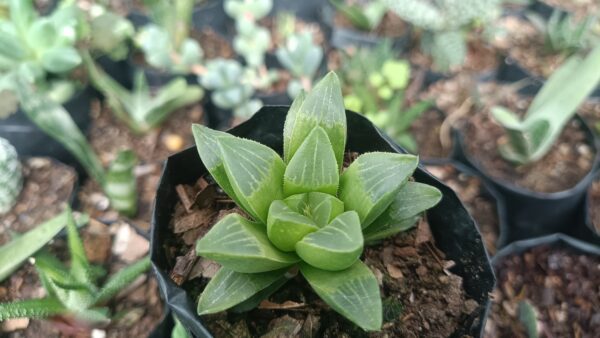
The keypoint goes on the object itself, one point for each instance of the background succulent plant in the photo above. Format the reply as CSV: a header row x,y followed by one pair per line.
x,y
230,89
303,212
302,58
251,40
11,176
563,33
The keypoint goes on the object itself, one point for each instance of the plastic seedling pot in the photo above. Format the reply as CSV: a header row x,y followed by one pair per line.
x,y
533,214
211,14
118,70
453,229
31,141
342,37
489,192
589,204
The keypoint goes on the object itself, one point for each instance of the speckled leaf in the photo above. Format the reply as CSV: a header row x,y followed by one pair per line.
x,y
229,288
335,246
242,246
313,167
354,293
324,107
371,182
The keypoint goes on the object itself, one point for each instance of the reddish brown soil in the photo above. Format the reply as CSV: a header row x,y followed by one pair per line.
x,y
569,160
525,44
561,285
108,135
478,201
48,186
421,297
426,131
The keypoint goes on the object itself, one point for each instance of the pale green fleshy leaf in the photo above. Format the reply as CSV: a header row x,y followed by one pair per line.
x,y
334,247
371,182
354,293
243,246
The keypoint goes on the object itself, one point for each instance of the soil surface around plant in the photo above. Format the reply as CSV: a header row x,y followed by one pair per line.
x,y
561,284
595,205
108,135
47,188
477,199
426,131
136,310
525,45
421,298
569,160
580,8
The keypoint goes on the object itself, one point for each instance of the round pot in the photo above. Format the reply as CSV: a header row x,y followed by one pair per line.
x,y
211,14
118,70
31,141
594,228
555,241
533,214
342,37
489,192
452,227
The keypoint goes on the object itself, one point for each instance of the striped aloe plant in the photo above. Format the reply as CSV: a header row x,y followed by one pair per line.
x,y
305,210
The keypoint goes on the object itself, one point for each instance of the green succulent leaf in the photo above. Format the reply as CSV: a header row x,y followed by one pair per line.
x,y
324,107
60,59
353,292
121,185
80,266
13,254
412,199
321,208
34,308
255,172
334,247
313,167
243,246
372,181
285,227
229,288
121,279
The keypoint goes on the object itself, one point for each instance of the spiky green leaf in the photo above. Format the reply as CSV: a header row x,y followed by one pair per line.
x,y
242,246
334,247
371,182
229,288
122,279
353,292
324,107
313,167
34,308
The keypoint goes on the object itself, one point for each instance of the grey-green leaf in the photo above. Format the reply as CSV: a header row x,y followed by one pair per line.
x,y
371,182
229,288
255,172
324,107
243,246
285,227
354,293
334,247
313,168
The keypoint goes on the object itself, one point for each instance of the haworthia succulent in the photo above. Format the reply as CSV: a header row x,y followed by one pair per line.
x,y
372,181
229,288
11,177
34,308
121,185
323,208
285,227
243,246
323,107
335,246
255,172
353,292
313,167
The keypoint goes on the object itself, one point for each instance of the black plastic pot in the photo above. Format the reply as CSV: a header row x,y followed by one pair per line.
x,y
533,214
453,229
31,141
594,228
211,14
342,37
118,70
489,192
554,240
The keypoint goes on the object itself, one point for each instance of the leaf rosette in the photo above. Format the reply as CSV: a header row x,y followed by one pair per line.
x,y
306,210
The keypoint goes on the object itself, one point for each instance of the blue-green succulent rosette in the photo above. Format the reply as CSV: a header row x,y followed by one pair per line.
x,y
306,211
